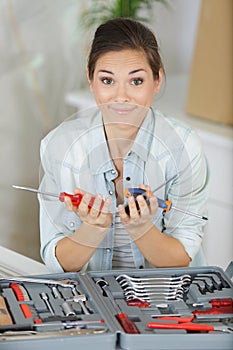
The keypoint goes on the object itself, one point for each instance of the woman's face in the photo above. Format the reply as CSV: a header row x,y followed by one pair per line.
x,y
126,77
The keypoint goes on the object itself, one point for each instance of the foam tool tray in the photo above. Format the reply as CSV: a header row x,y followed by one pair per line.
x,y
169,308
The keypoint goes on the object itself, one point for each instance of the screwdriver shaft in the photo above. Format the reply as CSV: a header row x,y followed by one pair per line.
x,y
165,183
190,213
162,203
36,191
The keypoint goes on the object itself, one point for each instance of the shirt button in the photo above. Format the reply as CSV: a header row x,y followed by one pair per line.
x,y
110,192
141,267
113,172
108,250
128,178
72,224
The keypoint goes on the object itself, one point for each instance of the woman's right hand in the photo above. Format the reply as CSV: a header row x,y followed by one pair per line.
x,y
98,215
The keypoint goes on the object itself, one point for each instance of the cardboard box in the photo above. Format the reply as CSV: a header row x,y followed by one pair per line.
x,y
210,92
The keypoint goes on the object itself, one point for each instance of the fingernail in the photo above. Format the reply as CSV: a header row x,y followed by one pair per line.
x,y
131,199
66,200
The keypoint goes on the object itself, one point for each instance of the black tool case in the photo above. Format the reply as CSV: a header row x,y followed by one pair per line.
x,y
45,322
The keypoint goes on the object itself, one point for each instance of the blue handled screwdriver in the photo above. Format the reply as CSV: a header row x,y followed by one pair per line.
x,y
164,204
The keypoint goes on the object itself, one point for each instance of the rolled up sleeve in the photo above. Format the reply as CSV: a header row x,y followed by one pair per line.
x,y
190,193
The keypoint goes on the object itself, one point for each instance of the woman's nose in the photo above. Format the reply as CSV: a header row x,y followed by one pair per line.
x,y
122,94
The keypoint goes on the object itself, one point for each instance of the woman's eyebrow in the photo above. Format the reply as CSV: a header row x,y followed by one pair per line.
x,y
105,71
132,72
137,70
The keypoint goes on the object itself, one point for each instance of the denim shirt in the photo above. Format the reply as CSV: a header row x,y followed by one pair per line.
x,y
76,154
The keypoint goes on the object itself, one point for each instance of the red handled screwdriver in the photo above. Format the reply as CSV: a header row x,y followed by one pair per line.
x,y
185,323
75,198
219,306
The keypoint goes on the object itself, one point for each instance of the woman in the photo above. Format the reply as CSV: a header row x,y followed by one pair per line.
x,y
120,144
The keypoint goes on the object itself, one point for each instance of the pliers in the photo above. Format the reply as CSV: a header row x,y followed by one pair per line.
x,y
186,323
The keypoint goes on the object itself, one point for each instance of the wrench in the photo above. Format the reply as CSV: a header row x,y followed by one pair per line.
x,y
184,279
80,298
69,283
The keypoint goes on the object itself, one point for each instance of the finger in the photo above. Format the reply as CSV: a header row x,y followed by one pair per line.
x,y
68,203
144,187
105,207
96,206
143,206
105,216
153,205
147,189
83,206
78,190
123,215
133,211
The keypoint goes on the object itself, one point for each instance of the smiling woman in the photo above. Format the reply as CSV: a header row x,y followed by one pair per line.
x,y
122,143
125,77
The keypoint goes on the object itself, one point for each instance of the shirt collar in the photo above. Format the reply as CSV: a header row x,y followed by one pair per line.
x,y
100,160
99,157
143,140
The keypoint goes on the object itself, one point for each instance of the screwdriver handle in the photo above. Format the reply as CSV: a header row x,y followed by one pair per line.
x,y
76,199
128,325
214,311
222,302
166,205
189,326
138,303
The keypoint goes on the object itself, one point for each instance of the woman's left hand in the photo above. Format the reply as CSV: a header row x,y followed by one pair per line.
x,y
138,221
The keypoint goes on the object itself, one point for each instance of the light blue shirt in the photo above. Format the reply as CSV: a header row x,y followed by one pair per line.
x,y
76,154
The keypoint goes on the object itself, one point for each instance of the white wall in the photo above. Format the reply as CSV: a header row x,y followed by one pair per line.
x,y
175,27
40,51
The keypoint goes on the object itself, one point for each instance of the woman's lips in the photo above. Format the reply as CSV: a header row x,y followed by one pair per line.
x,y
123,113
123,110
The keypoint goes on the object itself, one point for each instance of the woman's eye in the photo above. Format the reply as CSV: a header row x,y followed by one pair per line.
x,y
107,81
137,81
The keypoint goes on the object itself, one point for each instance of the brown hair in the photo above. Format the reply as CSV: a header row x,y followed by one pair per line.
x,y
121,34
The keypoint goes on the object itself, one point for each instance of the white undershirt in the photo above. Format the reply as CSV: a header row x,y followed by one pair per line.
x,y
122,251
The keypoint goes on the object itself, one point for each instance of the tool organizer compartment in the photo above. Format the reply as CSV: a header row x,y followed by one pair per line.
x,y
118,309
60,312
194,293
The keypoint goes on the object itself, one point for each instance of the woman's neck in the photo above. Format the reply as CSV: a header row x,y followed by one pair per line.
x,y
120,139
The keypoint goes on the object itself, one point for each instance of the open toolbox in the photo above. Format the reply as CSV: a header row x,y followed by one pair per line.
x,y
168,308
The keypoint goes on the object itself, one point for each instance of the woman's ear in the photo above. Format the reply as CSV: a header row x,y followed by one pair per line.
x,y
159,81
88,79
